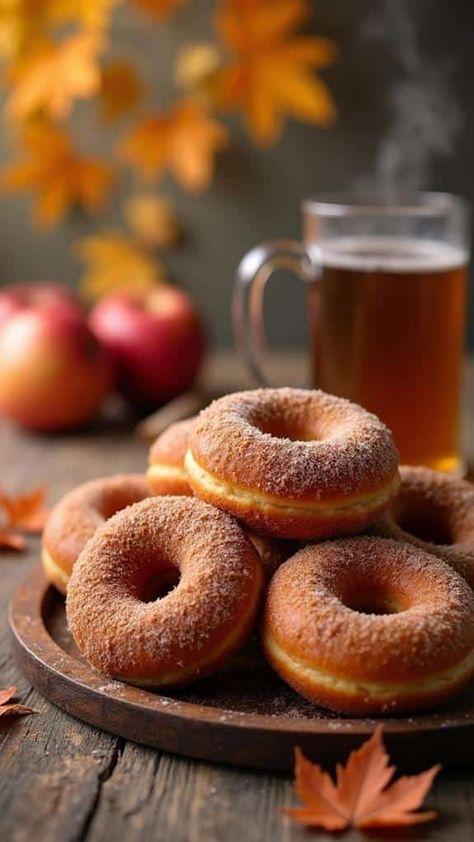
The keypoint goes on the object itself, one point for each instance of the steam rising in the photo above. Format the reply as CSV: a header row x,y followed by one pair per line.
x,y
425,118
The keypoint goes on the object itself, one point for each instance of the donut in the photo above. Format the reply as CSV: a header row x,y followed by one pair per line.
x,y
293,463
433,511
129,624
369,626
166,473
78,514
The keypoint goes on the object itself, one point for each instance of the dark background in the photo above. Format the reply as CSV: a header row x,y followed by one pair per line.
x,y
256,194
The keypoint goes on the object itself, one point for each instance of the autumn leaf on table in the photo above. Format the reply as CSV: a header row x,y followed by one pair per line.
x,y
25,511
184,142
51,77
159,9
271,71
120,90
10,540
59,176
15,708
362,796
153,220
116,262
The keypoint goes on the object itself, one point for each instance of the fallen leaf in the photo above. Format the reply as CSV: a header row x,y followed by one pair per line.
x,y
120,91
25,511
14,709
21,21
185,142
116,262
53,75
362,796
159,9
58,174
271,72
11,540
153,220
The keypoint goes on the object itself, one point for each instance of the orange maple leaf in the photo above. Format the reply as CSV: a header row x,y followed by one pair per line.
x,y
25,511
60,176
14,709
362,795
49,79
11,540
159,9
185,142
271,73
120,90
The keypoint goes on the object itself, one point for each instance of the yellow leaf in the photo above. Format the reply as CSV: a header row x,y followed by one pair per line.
x,y
184,142
21,23
120,91
60,177
116,262
159,9
91,14
54,75
270,74
153,220
197,71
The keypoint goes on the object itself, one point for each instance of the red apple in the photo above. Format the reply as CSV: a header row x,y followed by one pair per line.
x,y
16,297
156,341
53,373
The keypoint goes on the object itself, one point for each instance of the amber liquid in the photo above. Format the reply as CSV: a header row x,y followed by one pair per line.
x,y
387,332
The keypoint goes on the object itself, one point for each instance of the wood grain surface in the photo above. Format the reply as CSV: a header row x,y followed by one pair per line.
x,y
61,780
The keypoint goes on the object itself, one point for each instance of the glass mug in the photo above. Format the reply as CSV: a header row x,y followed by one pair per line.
x,y
386,305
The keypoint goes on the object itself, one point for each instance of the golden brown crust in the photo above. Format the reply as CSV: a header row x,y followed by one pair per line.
x,y
74,520
166,474
117,622
442,508
318,637
293,463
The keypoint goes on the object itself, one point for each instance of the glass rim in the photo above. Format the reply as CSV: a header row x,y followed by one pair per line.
x,y
365,203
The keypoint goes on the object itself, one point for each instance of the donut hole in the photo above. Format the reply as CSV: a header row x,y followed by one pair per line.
x,y
372,602
160,585
424,519
292,428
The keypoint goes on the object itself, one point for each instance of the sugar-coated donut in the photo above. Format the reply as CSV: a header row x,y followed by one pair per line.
x,y
166,473
369,625
434,511
78,514
120,624
293,463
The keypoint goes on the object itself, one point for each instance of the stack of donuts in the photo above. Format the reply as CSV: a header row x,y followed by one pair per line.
x,y
285,511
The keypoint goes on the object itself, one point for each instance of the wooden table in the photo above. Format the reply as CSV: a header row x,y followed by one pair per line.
x,y
61,780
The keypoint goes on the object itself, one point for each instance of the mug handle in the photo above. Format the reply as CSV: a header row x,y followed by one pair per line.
x,y
253,272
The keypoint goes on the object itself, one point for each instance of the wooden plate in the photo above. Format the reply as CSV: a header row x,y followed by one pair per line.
x,y
244,715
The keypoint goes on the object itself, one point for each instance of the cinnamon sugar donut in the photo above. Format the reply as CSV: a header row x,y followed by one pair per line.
x,y
120,624
78,514
434,511
166,473
293,463
369,625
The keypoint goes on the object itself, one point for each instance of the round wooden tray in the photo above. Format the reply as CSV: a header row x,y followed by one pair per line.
x,y
244,715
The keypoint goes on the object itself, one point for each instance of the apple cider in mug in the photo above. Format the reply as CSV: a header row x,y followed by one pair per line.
x,y
387,332
387,296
